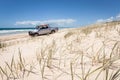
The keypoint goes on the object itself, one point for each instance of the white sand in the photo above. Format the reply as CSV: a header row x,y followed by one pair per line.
x,y
64,50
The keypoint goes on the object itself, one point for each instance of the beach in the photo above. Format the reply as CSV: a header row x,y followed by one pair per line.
x,y
13,36
70,54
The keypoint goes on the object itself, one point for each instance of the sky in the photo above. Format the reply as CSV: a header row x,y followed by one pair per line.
x,y
65,13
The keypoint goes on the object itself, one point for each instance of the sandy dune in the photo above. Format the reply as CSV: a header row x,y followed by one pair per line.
x,y
70,54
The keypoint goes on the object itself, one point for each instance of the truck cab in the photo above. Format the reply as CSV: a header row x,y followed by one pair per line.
x,y
43,29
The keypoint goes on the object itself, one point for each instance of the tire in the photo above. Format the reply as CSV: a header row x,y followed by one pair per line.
x,y
29,32
36,34
53,31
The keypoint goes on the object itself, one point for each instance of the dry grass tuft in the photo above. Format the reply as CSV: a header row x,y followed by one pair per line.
x,y
68,35
73,65
16,70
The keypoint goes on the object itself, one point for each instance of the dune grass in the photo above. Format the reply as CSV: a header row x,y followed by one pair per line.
x,y
16,70
68,34
2,45
74,66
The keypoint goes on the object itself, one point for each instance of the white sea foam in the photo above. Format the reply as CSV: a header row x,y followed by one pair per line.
x,y
2,32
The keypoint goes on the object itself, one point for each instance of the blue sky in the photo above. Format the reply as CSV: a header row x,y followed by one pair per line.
x,y
27,13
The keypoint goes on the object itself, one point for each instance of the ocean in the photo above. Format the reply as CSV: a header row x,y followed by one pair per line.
x,y
8,31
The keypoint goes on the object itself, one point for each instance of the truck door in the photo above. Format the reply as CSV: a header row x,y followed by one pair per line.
x,y
44,31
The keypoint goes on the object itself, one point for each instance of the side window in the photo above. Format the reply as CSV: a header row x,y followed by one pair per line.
x,y
43,27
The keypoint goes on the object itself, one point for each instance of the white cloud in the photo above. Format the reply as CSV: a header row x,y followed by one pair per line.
x,y
116,18
105,20
99,21
57,22
110,19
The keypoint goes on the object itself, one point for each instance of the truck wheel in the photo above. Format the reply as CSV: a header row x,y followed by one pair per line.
x,y
35,34
53,31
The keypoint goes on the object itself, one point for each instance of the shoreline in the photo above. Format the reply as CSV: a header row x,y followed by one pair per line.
x,y
15,39
13,36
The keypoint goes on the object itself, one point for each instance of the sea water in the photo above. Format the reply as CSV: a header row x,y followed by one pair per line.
x,y
8,31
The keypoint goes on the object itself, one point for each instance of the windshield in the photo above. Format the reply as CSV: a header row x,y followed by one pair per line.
x,y
35,30
42,27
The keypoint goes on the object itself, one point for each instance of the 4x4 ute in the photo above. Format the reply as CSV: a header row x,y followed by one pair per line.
x,y
43,29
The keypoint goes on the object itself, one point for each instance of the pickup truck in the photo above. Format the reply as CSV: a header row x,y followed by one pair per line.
x,y
43,29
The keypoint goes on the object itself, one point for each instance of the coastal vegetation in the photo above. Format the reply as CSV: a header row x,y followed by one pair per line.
x,y
87,53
